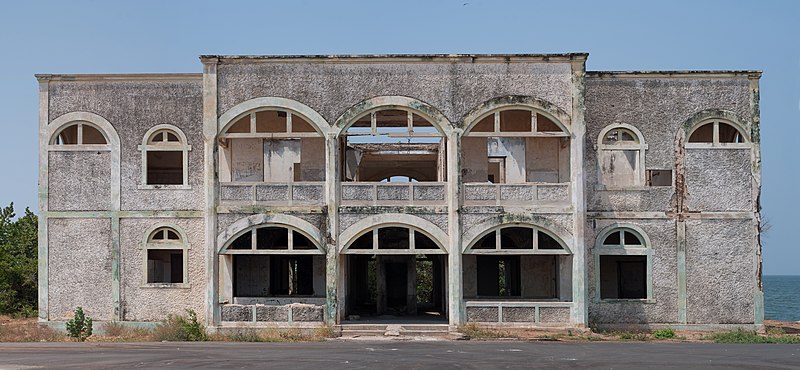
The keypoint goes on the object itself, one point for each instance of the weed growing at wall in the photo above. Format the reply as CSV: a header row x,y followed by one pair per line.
x,y
664,334
80,326
177,328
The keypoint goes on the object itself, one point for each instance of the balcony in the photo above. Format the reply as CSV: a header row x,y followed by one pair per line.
x,y
522,194
393,194
308,193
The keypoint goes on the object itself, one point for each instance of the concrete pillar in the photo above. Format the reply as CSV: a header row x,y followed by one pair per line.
x,y
335,266
212,313
578,127
454,274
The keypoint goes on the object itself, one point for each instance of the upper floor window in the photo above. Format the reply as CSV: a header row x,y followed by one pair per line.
x,y
717,133
620,157
515,145
79,133
166,256
165,157
277,146
393,144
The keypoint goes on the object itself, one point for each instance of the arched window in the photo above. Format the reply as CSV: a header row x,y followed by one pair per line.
x,y
517,261
79,133
394,240
271,145
516,145
165,158
166,256
623,264
716,132
620,157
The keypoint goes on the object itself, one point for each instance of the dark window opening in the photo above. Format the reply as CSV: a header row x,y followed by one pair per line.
x,y
547,242
659,177
245,241
164,266
363,241
498,276
393,238
623,277
274,238
165,168
291,275
516,238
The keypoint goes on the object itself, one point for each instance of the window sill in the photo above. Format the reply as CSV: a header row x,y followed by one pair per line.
x,y
623,300
164,187
165,286
628,188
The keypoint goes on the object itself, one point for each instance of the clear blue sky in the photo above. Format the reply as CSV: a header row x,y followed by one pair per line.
x,y
167,36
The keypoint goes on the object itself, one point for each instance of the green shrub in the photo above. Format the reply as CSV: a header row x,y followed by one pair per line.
x,y
664,334
177,328
80,327
633,336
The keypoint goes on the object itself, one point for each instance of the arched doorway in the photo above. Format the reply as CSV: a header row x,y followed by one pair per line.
x,y
395,272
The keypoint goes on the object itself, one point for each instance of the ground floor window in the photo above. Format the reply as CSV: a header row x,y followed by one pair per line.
x,y
623,264
498,276
165,256
273,275
164,266
623,277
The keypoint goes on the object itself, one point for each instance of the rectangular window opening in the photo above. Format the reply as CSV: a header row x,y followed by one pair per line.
x,y
164,266
659,177
623,277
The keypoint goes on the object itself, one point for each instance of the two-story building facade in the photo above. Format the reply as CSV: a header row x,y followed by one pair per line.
x,y
506,190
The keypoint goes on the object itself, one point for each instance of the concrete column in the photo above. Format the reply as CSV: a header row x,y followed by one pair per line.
x,y
578,128
210,184
334,266
44,108
455,299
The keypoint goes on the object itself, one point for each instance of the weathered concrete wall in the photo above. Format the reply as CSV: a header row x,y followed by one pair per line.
x,y
453,88
719,271
719,179
79,181
133,107
79,261
664,308
658,107
141,303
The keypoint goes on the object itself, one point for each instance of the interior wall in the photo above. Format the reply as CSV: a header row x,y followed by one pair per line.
x,y
247,160
280,157
312,159
251,275
547,159
539,276
474,159
513,149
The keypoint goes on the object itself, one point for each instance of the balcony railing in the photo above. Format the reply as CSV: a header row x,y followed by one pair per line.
x,y
286,194
384,193
518,311
524,194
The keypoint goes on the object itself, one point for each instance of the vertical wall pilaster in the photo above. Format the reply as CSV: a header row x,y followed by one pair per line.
x,y
680,226
578,127
44,108
210,185
455,275
755,136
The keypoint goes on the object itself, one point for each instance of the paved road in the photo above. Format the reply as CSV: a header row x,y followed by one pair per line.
x,y
392,354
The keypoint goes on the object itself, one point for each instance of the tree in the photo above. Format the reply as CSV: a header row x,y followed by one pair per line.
x,y
18,262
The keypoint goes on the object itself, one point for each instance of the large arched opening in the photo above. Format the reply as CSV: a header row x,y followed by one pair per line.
x,y
392,151
394,270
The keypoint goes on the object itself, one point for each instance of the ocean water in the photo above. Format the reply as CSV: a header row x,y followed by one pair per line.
x,y
782,297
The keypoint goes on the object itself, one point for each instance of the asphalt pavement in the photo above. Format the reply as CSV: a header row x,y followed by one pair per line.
x,y
339,354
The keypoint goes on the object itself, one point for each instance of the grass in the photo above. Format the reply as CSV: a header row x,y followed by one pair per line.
x,y
474,331
275,335
27,330
751,337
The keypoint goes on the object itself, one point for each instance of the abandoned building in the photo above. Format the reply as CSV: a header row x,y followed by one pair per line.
x,y
504,190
